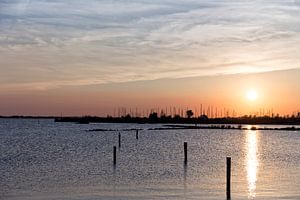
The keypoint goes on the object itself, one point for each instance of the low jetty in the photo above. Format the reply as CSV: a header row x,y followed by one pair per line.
x,y
106,130
222,127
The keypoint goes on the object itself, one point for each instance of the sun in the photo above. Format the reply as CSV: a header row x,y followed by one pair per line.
x,y
251,95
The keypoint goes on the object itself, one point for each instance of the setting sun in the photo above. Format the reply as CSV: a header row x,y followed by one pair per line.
x,y
252,95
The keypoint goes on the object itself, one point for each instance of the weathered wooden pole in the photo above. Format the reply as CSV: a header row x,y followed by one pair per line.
x,y
185,153
115,155
137,134
228,177
119,140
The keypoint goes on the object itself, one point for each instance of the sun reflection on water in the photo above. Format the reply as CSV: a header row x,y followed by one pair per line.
x,y
252,163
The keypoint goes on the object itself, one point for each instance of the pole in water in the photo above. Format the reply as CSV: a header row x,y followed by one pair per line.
x,y
228,177
185,153
137,134
115,155
119,140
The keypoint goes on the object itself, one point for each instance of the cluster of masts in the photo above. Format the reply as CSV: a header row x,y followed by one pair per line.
x,y
209,111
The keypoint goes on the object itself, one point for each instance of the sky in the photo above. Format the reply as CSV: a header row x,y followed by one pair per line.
x,y
91,56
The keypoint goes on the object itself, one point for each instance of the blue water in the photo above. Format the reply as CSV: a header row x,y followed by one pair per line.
x,y
41,159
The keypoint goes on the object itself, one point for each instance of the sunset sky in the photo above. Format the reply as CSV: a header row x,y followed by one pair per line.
x,y
91,56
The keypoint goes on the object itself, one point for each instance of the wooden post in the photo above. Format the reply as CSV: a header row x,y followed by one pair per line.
x,y
115,155
119,140
185,153
228,177
137,134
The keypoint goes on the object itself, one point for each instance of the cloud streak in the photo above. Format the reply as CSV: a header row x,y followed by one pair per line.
x,y
45,44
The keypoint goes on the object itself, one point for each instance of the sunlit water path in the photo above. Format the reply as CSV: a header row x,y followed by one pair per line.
x,y
252,162
41,159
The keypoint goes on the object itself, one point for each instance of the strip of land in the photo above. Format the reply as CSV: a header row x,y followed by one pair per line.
x,y
181,120
181,127
154,119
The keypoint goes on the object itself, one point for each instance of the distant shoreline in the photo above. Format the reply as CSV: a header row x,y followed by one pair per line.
x,y
165,120
27,117
168,120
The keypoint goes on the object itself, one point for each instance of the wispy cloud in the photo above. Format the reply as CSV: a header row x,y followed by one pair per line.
x,y
53,43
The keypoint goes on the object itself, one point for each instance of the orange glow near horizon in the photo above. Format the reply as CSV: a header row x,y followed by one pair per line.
x,y
269,93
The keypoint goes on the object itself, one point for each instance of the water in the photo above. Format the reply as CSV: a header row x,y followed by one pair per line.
x,y
41,159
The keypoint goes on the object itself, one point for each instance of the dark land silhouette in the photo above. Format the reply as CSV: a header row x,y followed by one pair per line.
x,y
155,118
203,119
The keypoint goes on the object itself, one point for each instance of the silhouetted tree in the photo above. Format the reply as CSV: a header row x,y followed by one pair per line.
x,y
189,113
293,116
153,116
203,117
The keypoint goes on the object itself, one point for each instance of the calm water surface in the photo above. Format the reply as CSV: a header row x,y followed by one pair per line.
x,y
41,159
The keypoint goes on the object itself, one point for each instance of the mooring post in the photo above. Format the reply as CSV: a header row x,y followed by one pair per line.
x,y
137,134
115,155
119,140
185,153
228,177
